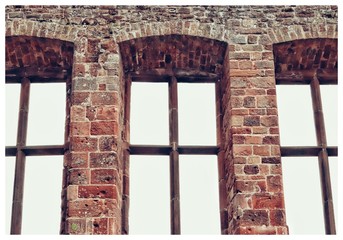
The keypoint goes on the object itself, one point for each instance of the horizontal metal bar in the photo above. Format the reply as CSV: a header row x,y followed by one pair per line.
x,y
165,150
36,150
307,151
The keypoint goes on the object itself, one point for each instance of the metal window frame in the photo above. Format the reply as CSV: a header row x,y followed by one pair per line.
x,y
172,77
25,77
315,78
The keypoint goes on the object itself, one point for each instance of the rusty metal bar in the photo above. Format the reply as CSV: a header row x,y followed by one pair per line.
x,y
165,150
174,158
329,218
220,159
37,150
126,159
18,189
307,151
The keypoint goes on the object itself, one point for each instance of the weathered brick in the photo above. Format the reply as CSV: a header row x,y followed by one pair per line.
x,y
104,98
267,201
277,217
251,121
274,183
103,160
266,101
100,226
251,169
77,160
97,192
271,160
91,208
261,150
249,102
104,176
79,176
81,144
79,128
108,143
242,150
254,218
104,128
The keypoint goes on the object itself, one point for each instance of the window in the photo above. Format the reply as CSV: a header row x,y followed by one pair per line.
x,y
190,187
35,147
306,72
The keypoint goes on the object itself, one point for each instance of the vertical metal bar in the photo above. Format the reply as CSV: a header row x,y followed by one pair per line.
x,y
126,158
18,189
329,218
66,154
220,159
174,158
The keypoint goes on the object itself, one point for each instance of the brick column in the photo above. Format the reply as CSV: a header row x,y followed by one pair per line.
x,y
255,200
93,177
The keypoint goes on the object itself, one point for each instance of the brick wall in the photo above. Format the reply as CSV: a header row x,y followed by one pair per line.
x,y
250,181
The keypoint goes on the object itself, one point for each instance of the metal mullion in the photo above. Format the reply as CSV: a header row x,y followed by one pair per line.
x,y
18,189
174,158
323,157
220,158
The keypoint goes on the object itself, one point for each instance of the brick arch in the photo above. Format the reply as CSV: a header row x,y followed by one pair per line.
x,y
173,51
41,29
194,28
296,32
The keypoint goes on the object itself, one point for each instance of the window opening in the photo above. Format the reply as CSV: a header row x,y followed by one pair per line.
x,y
46,108
199,194
149,194
174,148
197,117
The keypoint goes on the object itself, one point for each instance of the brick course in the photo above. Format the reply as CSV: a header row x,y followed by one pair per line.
x,y
235,42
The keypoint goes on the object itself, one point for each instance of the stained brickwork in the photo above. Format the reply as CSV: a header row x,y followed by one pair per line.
x,y
109,41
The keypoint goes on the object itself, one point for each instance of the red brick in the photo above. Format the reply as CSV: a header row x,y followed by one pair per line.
x,y
266,101
274,183
104,176
253,139
80,98
256,230
98,191
277,217
100,226
79,176
271,140
254,218
79,128
106,113
104,128
90,208
103,160
81,144
108,143
269,121
241,130
267,201
77,113
251,121
104,98
77,160
251,169
261,150
241,150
